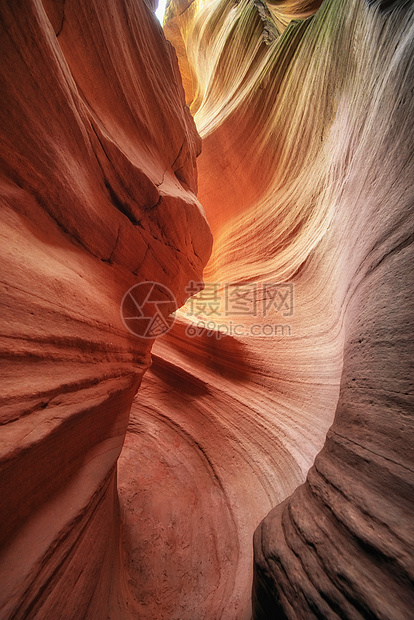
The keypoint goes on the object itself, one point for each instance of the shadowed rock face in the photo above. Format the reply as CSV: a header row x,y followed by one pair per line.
x,y
306,179
97,193
307,150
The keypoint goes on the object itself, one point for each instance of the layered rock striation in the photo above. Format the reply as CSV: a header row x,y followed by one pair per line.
x,y
306,179
97,192
284,386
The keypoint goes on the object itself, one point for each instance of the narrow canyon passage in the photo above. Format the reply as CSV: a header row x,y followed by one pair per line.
x,y
278,177
255,460
291,172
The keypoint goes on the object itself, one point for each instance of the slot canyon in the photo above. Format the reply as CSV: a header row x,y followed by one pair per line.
x,y
207,310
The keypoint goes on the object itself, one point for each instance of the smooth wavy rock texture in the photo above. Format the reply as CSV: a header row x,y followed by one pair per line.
x,y
306,177
279,406
98,189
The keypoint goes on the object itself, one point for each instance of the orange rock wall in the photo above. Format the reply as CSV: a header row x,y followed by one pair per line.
x,y
97,193
306,179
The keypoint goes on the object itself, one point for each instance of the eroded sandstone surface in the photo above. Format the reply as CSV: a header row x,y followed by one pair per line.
x,y
318,194
298,427
98,192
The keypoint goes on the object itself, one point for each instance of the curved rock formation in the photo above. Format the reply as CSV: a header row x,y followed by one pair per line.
x,y
307,151
98,193
284,386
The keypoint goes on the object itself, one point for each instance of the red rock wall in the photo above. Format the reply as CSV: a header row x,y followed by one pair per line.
x,y
306,178
97,193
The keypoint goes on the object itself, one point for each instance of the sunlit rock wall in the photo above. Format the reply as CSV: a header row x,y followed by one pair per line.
x,y
306,178
97,193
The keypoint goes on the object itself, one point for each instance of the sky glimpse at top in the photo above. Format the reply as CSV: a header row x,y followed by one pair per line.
x,y
161,10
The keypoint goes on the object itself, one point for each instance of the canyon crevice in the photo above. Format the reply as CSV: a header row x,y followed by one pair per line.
x,y
267,150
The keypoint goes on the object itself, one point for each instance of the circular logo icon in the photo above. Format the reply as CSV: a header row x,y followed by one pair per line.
x,y
147,310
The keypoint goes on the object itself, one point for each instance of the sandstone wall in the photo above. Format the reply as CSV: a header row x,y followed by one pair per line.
x,y
97,193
